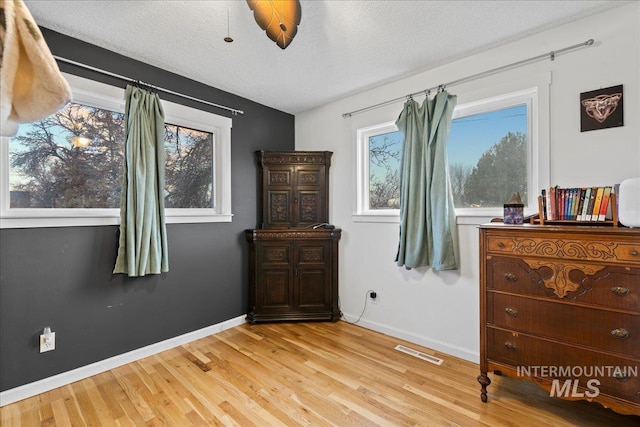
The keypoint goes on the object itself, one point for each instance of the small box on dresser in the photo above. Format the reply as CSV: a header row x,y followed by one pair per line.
x,y
560,305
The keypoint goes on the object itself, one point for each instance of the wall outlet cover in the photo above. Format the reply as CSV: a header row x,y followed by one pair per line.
x,y
47,346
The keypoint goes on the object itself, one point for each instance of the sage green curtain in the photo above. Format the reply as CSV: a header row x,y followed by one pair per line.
x,y
143,234
426,204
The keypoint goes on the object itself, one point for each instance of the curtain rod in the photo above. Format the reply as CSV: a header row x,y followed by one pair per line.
x,y
551,55
127,79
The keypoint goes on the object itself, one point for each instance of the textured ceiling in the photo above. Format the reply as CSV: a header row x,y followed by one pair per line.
x,y
342,47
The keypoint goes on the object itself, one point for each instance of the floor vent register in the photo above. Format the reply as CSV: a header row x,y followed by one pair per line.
x,y
419,355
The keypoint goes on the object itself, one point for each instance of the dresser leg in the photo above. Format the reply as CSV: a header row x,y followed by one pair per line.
x,y
484,381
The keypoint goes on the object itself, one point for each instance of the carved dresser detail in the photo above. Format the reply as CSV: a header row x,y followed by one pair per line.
x,y
560,306
293,267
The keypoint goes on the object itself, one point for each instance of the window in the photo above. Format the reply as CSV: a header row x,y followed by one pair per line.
x,y
66,169
71,159
490,152
379,153
189,172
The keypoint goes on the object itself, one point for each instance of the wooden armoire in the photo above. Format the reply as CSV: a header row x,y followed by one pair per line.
x,y
293,254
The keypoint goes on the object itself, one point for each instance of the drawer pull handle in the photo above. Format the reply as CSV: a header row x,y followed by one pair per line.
x,y
620,333
619,290
501,245
510,277
511,346
634,252
511,311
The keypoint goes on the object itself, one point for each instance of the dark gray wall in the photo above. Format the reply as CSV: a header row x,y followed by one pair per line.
x,y
61,277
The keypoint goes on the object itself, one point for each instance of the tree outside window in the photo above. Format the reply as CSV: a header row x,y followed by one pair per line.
x,y
189,168
487,155
48,171
50,167
384,170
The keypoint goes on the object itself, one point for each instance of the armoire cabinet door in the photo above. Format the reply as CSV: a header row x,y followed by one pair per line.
x,y
312,262
309,204
293,188
279,196
275,281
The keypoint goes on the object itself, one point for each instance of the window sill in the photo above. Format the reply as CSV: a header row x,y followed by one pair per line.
x,y
88,221
390,217
463,217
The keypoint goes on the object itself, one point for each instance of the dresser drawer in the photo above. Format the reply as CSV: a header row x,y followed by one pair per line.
x,y
590,248
618,376
628,252
613,287
598,328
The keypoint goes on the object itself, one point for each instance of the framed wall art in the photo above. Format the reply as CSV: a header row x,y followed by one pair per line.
x,y
601,109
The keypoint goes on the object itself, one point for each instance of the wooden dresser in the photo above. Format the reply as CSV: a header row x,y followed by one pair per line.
x,y
293,255
560,306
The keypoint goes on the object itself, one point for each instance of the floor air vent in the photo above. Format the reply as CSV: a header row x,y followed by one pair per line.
x,y
419,355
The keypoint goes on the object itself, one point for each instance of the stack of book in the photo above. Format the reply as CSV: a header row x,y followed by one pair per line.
x,y
576,204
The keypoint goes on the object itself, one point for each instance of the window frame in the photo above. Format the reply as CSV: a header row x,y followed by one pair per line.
x,y
100,95
363,212
528,97
538,147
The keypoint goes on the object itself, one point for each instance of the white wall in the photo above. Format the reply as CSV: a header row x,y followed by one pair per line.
x,y
440,309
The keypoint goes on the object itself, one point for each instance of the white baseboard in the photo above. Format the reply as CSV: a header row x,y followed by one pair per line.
x,y
436,345
46,384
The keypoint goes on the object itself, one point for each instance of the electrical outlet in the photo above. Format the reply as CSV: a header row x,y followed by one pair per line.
x,y
47,342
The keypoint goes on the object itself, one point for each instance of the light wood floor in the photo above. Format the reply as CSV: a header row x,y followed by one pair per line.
x,y
310,374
